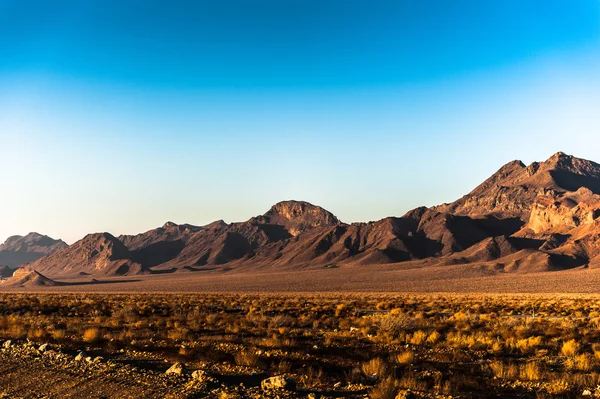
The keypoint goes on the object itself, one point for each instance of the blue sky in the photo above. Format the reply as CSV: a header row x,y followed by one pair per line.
x,y
117,116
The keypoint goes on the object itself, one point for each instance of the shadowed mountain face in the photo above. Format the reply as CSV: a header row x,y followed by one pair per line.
x,y
19,250
159,245
95,254
545,216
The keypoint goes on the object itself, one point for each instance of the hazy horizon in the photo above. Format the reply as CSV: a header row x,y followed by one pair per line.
x,y
119,117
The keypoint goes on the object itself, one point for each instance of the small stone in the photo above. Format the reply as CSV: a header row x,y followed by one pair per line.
x,y
337,385
98,359
587,392
7,344
43,348
278,382
176,368
80,356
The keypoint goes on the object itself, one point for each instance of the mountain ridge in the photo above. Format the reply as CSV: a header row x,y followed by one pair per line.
x,y
523,218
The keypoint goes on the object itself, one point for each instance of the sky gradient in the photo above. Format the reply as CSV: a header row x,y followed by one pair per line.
x,y
118,116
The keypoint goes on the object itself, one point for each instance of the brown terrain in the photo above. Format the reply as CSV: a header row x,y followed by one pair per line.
x,y
297,304
523,220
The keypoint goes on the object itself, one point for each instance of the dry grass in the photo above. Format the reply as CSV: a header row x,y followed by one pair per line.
x,y
398,341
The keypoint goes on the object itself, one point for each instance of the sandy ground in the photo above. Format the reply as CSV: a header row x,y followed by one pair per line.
x,y
382,278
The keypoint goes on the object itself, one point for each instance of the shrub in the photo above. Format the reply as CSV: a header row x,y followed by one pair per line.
x,y
570,348
375,367
92,335
386,389
406,357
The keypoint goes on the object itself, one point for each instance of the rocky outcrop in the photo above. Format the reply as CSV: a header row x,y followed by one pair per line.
x,y
512,190
296,217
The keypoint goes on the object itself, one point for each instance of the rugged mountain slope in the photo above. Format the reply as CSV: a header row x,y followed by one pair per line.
x,y
512,190
159,245
19,250
541,217
220,243
96,254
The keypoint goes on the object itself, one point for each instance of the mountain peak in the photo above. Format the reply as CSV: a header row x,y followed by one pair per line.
x,y
511,191
297,216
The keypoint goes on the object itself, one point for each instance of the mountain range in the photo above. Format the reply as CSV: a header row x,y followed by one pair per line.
x,y
524,218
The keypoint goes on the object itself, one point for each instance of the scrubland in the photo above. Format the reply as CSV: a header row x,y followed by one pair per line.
x,y
375,345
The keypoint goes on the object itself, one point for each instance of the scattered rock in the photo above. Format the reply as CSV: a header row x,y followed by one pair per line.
x,y
279,382
176,368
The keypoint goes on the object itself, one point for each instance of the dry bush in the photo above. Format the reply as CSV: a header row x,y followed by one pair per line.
x,y
405,358
313,378
375,368
570,348
91,335
386,389
532,371
504,371
412,382
418,338
584,362
393,324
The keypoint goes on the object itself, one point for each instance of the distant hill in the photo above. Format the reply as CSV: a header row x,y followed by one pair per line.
x,y
95,254
19,250
544,216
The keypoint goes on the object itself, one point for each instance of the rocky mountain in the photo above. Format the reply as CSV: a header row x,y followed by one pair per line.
x,y
221,243
159,245
99,254
512,190
544,216
19,250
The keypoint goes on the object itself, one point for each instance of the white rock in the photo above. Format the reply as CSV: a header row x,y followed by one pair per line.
x,y
278,382
176,368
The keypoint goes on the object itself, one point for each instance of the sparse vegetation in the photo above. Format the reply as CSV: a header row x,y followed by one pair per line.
x,y
467,346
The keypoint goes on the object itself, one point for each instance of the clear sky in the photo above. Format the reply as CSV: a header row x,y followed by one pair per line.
x,y
120,115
